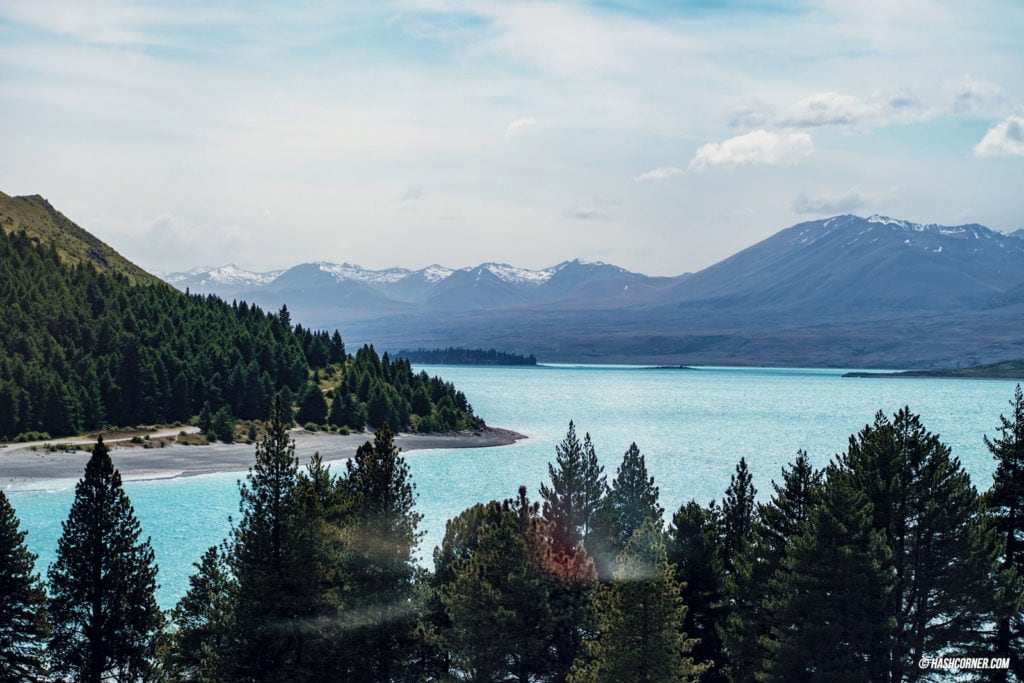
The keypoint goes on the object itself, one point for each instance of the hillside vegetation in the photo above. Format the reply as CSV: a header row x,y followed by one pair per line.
x,y
84,347
43,224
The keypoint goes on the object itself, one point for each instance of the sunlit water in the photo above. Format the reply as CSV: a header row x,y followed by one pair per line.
x,y
692,426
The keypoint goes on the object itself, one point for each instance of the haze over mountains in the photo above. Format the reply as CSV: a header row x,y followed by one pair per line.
x,y
842,291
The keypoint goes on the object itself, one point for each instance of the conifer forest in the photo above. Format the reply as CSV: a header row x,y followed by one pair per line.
x,y
886,559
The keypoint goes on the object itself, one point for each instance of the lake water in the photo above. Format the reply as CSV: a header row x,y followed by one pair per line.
x,y
692,426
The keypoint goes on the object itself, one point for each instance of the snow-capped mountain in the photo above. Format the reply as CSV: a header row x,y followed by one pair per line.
x,y
846,290
484,286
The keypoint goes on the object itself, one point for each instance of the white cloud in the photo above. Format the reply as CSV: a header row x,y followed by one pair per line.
x,y
844,202
836,109
1004,139
658,174
974,95
748,115
827,109
517,125
756,147
596,210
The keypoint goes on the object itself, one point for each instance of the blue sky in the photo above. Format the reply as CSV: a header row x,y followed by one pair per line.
x,y
659,136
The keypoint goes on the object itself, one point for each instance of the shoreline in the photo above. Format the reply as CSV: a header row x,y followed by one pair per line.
x,y
22,466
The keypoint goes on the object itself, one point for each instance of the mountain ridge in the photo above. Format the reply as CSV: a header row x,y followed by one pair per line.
x,y
841,291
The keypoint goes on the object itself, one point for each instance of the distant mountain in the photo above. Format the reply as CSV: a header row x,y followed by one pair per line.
x,y
849,264
42,223
843,291
329,291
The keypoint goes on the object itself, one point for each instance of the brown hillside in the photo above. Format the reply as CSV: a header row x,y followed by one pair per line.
x,y
40,221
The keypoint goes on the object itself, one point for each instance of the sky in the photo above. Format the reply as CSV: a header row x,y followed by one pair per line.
x,y
658,136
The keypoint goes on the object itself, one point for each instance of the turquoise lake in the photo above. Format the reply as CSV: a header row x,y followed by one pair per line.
x,y
692,426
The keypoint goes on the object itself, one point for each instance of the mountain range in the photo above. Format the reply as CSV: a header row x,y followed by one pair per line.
x,y
843,291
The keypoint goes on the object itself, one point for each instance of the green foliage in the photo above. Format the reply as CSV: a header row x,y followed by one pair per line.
x,y
460,356
203,622
577,488
23,627
1005,501
740,576
640,615
103,613
312,405
223,424
267,563
830,613
80,349
694,549
508,603
942,553
376,391
379,565
632,500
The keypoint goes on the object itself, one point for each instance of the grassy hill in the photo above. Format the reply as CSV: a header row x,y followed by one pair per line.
x,y
44,225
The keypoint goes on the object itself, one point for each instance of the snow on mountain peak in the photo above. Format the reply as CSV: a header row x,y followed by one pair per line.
x,y
233,275
348,271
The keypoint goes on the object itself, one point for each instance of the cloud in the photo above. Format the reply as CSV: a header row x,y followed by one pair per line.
x,y
1004,139
836,109
658,174
844,202
973,95
517,125
748,115
756,147
597,210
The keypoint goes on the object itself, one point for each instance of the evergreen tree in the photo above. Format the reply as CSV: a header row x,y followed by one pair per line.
x,y
103,613
741,576
780,523
694,549
633,499
312,405
268,637
942,553
640,615
508,602
223,424
380,567
22,603
202,621
577,488
1005,500
205,423
831,598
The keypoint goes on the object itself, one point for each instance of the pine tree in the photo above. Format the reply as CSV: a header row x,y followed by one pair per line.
x,y
741,617
640,615
268,636
632,500
942,552
497,596
577,488
202,620
1005,499
380,567
22,603
780,523
694,549
104,617
312,406
223,424
831,620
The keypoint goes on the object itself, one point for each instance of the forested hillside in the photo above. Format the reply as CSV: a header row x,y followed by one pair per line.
x,y
82,349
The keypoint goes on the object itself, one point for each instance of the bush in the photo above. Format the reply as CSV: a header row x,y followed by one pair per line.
x,y
32,436
311,427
